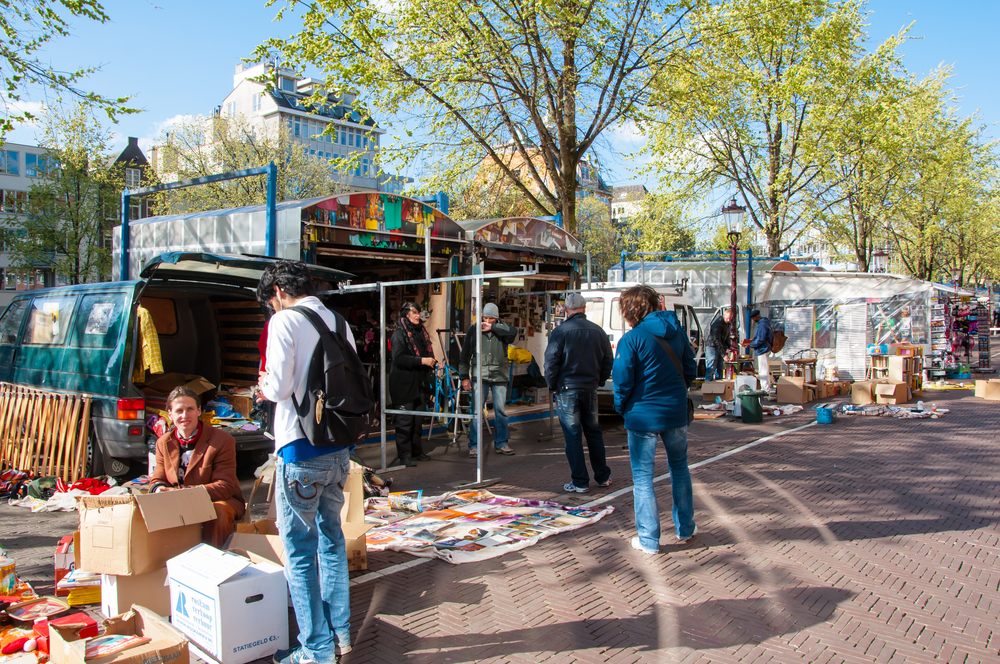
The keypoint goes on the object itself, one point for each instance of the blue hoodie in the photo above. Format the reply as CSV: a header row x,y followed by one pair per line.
x,y
648,391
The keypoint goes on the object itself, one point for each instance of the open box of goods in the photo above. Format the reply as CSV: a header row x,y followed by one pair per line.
x,y
139,636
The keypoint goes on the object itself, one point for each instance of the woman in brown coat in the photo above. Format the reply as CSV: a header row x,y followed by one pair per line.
x,y
193,454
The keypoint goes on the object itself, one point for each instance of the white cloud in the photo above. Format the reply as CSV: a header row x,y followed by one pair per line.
x,y
160,129
23,132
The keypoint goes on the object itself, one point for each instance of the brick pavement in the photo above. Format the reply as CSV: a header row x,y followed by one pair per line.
x,y
871,540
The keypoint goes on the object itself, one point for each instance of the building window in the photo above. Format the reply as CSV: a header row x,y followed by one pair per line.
x,y
132,177
30,164
287,84
135,210
364,167
9,280
9,160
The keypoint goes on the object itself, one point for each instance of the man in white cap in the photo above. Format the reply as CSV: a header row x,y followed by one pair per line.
x,y
496,372
578,360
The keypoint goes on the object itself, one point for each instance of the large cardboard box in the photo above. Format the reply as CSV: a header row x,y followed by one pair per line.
x,y
163,384
232,607
167,644
892,393
826,389
119,593
717,388
128,535
792,389
988,389
862,393
260,538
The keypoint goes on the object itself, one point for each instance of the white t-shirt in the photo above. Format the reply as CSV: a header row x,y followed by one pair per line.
x,y
291,341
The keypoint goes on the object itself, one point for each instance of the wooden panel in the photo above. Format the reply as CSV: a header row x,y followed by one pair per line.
x,y
231,331
237,343
244,357
253,371
240,318
243,304
163,313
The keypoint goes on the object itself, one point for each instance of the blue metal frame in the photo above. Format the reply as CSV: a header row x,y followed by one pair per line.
x,y
270,233
440,199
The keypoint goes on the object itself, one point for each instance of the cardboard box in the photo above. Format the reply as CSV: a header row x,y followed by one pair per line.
x,y
64,562
792,389
242,405
988,389
862,393
717,388
119,593
892,393
232,607
130,535
73,626
844,387
260,538
352,520
167,644
162,385
826,389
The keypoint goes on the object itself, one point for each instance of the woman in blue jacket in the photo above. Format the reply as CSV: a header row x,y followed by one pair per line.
x,y
652,397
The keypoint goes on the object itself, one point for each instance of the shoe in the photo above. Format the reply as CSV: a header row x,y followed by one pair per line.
x,y
408,462
506,451
572,488
292,656
693,533
639,547
423,457
473,452
343,650
605,484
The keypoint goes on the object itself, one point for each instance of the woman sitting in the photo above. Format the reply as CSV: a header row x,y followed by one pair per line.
x,y
193,454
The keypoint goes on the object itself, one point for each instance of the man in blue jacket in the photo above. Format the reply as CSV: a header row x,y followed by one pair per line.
x,y
763,337
578,360
651,394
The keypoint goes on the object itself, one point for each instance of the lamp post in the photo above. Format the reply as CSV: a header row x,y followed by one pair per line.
x,y
733,214
880,262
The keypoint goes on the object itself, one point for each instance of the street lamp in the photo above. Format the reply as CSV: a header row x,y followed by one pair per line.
x,y
880,262
733,214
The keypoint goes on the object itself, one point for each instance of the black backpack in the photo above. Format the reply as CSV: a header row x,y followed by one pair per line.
x,y
338,406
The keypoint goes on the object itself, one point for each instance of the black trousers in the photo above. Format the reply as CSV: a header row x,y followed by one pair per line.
x,y
409,428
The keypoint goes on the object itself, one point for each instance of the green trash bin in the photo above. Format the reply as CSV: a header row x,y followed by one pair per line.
x,y
751,411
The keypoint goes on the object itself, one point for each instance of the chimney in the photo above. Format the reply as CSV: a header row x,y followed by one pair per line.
x,y
133,142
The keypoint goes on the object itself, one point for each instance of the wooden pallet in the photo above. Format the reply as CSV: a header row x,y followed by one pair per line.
x,y
240,325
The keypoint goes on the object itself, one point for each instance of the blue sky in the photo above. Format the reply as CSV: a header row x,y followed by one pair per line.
x,y
177,57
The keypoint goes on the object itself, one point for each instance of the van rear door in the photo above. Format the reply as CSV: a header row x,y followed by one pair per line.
x,y
223,269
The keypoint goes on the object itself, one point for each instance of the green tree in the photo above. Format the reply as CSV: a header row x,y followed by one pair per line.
x,y
73,203
28,26
519,85
752,109
658,226
598,235
204,146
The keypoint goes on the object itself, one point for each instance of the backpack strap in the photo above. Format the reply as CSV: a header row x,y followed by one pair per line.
x,y
671,354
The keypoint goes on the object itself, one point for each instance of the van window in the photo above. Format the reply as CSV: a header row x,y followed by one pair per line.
x,y
616,315
10,324
100,321
48,320
595,312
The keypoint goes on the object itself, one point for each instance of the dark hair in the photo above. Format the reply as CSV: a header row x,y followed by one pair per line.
x,y
182,391
404,310
637,302
290,276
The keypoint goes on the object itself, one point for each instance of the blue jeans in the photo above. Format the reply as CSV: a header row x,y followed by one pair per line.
x,y
642,454
310,495
577,410
500,435
714,364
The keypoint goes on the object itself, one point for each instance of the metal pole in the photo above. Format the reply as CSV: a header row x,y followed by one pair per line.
x,y
478,396
427,253
381,363
271,233
749,287
126,232
588,269
733,340
642,269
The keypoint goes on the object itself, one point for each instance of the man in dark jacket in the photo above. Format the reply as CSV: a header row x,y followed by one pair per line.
x,y
763,337
718,345
409,381
496,372
578,360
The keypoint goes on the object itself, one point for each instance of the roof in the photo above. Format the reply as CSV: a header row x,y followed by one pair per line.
x,y
293,102
629,193
524,234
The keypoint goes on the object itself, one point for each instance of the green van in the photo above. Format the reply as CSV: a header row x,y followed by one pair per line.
x,y
85,339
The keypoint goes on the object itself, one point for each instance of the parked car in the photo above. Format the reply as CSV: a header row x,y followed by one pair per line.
x,y
85,339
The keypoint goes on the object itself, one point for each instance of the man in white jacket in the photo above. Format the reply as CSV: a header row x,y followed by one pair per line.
x,y
308,480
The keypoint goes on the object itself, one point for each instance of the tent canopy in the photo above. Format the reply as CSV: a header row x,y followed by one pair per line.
x,y
837,286
530,234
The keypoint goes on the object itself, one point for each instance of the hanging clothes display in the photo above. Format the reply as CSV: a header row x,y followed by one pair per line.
x,y
393,210
149,348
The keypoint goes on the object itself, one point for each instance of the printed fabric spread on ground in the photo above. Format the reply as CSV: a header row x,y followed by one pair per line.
x,y
467,526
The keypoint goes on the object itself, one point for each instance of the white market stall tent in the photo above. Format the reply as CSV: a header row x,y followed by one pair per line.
x,y
840,313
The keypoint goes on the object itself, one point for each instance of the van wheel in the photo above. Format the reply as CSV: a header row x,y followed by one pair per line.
x,y
95,458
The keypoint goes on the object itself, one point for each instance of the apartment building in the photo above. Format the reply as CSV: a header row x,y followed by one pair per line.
x,y
626,201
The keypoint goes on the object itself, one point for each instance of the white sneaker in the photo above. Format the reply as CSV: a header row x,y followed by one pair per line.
x,y
473,452
639,547
693,533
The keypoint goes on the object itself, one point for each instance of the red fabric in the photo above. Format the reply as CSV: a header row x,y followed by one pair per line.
x,y
262,346
91,486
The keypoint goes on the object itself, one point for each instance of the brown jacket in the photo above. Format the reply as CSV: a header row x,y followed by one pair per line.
x,y
213,464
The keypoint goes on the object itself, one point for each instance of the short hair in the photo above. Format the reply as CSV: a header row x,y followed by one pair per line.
x,y
182,391
290,276
404,310
637,302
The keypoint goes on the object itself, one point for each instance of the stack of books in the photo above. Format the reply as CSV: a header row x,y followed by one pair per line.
x,y
84,587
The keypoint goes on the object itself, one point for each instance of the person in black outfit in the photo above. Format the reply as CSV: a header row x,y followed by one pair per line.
x,y
717,346
409,381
